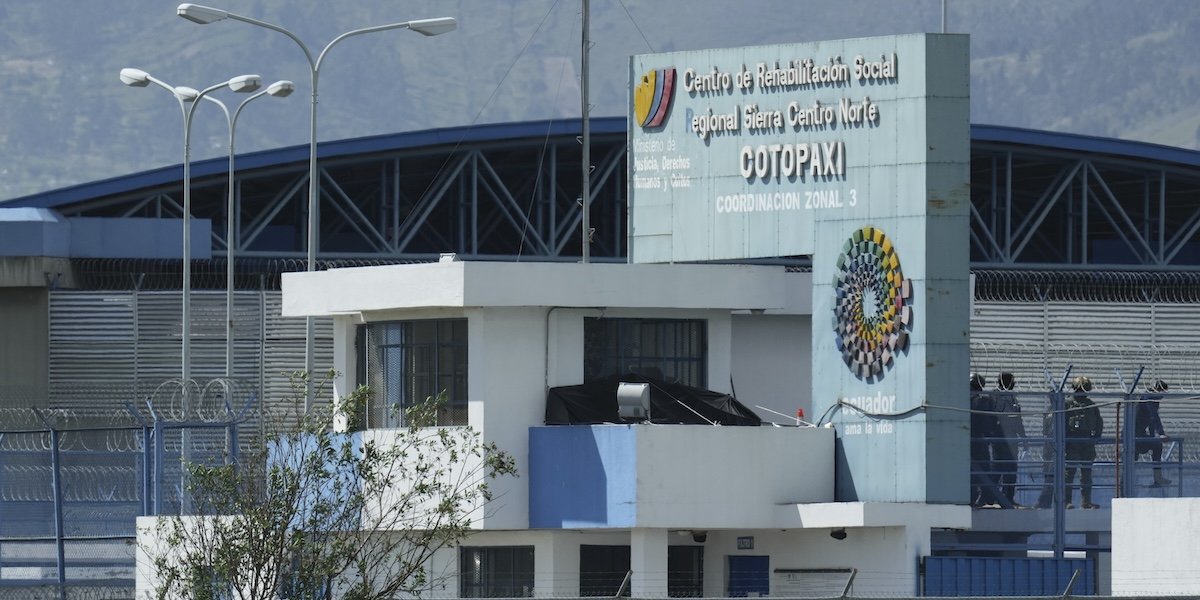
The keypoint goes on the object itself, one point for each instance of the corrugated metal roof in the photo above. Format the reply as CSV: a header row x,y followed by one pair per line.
x,y
536,130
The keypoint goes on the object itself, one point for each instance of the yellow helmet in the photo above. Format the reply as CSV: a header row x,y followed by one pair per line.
x,y
1083,384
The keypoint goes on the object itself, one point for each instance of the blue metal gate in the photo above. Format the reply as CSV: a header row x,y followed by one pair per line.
x,y
960,576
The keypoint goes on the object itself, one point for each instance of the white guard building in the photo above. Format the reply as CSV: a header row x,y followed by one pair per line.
x,y
696,510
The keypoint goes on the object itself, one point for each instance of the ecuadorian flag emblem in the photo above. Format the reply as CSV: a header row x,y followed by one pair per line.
x,y
652,97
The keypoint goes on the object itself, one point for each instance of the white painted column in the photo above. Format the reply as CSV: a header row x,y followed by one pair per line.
x,y
345,362
648,561
556,566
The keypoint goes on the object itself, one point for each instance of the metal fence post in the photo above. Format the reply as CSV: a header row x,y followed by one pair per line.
x,y
57,483
158,466
148,439
1060,466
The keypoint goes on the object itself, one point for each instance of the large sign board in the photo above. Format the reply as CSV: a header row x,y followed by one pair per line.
x,y
856,153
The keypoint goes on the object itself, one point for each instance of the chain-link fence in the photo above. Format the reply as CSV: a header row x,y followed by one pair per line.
x,y
69,591
74,481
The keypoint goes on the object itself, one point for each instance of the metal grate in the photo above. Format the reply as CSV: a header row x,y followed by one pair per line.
x,y
670,349
407,362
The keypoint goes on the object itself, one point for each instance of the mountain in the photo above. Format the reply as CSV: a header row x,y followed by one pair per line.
x,y
1120,69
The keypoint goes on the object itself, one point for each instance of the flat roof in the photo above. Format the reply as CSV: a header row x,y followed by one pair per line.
x,y
462,284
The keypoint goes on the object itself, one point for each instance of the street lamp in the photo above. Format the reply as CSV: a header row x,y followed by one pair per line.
x,y
428,27
279,89
188,98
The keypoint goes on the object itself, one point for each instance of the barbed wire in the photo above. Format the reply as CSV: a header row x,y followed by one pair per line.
x,y
83,591
73,591
1010,285
101,483
216,400
166,274
194,400
1109,366
1154,590
1171,287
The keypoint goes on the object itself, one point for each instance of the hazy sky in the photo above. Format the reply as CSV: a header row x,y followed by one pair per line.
x,y
1035,64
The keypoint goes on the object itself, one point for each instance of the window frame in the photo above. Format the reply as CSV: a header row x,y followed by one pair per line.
x,y
681,583
603,583
404,362
671,349
488,556
685,583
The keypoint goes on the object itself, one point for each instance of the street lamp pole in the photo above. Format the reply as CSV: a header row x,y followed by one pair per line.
x,y
428,27
279,89
188,98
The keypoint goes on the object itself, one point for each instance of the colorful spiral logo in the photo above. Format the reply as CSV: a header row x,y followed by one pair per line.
x,y
872,312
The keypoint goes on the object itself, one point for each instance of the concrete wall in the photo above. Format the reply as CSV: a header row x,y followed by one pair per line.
x,y
1154,546
24,346
506,373
689,476
885,558
678,476
772,365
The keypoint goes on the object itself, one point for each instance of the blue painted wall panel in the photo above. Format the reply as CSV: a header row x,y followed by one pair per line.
x,y
582,477
33,232
93,237
39,232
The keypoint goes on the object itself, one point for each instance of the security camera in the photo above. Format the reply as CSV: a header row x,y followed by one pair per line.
x,y
699,536
838,534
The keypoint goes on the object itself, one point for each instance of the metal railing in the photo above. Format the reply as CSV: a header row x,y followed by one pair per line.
x,y
1032,473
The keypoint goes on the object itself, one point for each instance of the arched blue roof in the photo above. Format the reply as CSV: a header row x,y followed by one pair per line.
x,y
534,130
449,136
1083,143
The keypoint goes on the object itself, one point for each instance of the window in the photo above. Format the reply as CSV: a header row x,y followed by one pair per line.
x,y
685,571
672,349
602,570
496,572
406,362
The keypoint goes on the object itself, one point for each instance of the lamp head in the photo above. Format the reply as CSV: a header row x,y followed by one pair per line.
x,y
281,89
245,83
201,14
186,93
432,27
135,77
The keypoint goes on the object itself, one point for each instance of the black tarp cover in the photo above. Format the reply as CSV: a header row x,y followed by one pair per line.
x,y
596,402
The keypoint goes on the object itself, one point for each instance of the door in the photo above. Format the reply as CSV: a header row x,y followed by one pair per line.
x,y
749,576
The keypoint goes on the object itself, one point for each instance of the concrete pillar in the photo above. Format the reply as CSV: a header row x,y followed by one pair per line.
x,y
345,362
556,566
648,561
